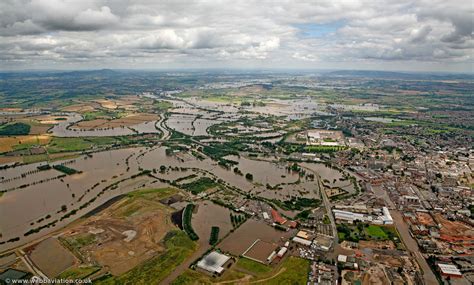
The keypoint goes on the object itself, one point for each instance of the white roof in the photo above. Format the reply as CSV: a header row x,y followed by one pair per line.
x,y
302,241
282,251
386,213
213,262
342,258
449,269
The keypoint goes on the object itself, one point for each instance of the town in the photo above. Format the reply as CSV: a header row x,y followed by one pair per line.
x,y
267,180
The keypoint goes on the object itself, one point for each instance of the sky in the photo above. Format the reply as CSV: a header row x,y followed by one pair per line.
x,y
423,35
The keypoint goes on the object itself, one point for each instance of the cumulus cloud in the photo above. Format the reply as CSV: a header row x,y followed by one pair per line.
x,y
266,33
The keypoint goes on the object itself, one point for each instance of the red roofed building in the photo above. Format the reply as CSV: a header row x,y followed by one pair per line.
x,y
292,224
277,218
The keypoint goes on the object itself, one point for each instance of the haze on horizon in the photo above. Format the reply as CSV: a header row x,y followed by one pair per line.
x,y
424,35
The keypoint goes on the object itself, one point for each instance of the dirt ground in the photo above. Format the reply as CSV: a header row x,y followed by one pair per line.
x,y
83,107
388,244
454,229
48,119
425,219
124,235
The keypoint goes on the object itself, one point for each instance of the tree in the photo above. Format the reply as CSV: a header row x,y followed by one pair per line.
x,y
249,176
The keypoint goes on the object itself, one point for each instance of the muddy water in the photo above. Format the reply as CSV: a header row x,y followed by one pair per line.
x,y
181,123
264,171
73,191
64,129
209,215
307,189
19,208
201,126
327,173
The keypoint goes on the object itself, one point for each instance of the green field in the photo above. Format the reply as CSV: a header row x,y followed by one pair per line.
x,y
78,272
196,278
253,267
200,185
376,232
295,272
178,248
361,231
153,193
15,129
77,144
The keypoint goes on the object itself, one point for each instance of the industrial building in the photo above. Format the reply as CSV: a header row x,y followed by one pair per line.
x,y
213,263
350,217
449,270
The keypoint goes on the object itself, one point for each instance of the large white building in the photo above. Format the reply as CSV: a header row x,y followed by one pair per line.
x,y
350,217
213,262
386,218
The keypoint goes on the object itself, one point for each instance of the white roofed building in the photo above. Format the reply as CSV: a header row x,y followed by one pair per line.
x,y
213,262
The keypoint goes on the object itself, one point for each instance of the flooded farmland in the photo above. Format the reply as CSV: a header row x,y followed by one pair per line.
x,y
107,174
252,230
65,128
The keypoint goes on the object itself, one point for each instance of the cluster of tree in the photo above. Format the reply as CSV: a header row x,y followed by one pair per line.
x,y
249,176
65,169
200,185
15,129
187,226
238,171
214,235
237,220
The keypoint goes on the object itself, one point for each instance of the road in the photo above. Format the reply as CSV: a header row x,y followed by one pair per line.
x,y
412,246
408,240
327,205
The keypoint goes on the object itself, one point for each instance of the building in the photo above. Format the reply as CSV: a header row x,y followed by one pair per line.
x,y
449,270
302,241
266,216
11,274
277,218
350,217
387,217
324,137
303,234
213,263
282,251
342,258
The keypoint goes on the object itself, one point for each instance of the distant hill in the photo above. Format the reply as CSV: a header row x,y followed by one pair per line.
x,y
399,75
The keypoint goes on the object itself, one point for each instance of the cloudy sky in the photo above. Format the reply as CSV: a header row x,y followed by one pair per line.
x,y
435,35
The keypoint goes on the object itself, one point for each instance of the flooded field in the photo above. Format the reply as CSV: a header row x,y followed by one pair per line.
x,y
292,109
241,239
210,215
265,172
307,189
67,128
50,201
181,123
50,196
